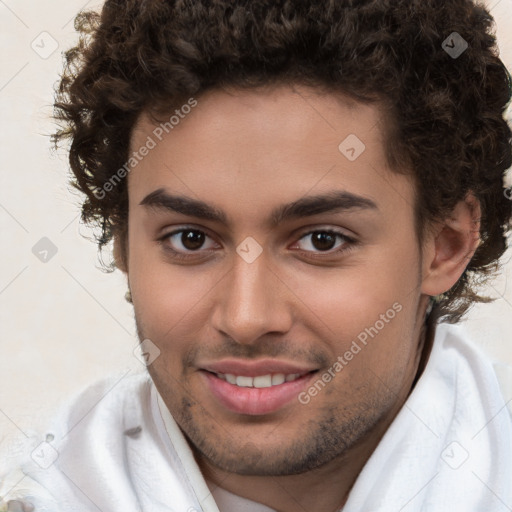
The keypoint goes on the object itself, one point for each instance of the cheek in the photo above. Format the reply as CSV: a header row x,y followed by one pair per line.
x,y
372,301
166,296
166,300
367,332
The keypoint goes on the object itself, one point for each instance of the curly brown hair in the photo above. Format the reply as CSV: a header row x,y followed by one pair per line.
x,y
447,128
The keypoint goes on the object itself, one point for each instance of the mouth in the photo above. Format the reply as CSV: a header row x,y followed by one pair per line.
x,y
256,394
260,381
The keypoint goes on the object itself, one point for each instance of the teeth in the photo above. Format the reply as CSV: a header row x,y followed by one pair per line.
x,y
278,378
261,381
229,377
244,382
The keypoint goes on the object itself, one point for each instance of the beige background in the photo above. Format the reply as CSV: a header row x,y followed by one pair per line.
x,y
64,323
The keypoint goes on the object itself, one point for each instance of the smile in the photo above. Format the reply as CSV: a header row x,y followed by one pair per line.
x,y
255,395
260,381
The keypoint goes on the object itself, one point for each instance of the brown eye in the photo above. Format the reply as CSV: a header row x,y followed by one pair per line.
x,y
187,240
192,240
323,241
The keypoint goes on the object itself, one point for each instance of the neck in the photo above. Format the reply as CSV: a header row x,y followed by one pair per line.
x,y
310,491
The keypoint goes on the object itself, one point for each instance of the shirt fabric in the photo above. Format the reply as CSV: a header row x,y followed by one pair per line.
x,y
115,447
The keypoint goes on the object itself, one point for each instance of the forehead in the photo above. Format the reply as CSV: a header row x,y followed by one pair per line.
x,y
266,145
281,113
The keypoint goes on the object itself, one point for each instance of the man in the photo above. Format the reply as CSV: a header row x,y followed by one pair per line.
x,y
299,193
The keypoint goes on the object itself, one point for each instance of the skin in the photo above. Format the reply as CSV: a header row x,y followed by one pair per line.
x,y
246,153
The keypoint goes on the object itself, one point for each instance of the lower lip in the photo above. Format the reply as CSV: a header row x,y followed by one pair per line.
x,y
255,401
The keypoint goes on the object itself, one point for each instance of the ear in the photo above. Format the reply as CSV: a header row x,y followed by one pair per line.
x,y
120,257
450,247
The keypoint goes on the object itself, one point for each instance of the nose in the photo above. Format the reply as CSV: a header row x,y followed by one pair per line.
x,y
252,302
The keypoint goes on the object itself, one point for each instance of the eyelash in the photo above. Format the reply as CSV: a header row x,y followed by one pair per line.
x,y
347,245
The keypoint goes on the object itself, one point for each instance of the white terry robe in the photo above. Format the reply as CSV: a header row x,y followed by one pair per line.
x,y
118,449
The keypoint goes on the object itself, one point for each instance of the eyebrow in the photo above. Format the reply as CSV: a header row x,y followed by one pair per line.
x,y
335,201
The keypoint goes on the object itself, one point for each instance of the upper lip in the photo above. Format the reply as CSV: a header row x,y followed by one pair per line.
x,y
255,368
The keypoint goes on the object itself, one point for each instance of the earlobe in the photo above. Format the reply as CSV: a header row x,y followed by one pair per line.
x,y
451,247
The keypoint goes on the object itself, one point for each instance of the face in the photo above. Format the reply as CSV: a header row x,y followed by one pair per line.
x,y
277,272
